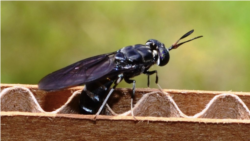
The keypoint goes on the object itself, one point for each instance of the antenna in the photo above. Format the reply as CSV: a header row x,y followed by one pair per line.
x,y
176,45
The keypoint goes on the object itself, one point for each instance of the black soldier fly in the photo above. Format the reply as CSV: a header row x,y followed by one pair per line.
x,y
100,72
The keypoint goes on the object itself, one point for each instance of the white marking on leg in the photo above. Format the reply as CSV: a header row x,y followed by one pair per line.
x,y
132,111
110,110
120,76
104,102
161,89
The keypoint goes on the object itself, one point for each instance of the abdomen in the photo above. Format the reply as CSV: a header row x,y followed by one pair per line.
x,y
93,94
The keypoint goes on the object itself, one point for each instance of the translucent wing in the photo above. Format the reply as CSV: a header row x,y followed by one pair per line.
x,y
79,73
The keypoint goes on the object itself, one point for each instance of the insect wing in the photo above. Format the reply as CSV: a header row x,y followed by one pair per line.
x,y
79,73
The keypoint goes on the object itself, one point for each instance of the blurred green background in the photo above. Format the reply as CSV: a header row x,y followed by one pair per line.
x,y
41,37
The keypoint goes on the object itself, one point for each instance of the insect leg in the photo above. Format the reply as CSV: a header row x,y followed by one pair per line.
x,y
156,79
110,110
131,81
104,102
109,94
133,94
150,73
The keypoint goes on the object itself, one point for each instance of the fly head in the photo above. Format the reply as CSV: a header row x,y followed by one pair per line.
x,y
160,52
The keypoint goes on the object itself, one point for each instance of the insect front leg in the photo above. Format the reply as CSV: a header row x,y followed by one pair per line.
x,y
150,73
156,78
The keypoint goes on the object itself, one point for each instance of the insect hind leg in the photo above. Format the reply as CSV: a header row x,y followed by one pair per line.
x,y
104,102
119,79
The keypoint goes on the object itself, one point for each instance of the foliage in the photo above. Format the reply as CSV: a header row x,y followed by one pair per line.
x,y
41,37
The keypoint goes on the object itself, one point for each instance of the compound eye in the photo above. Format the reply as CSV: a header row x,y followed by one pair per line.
x,y
163,57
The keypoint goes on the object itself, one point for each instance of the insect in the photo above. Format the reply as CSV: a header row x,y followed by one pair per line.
x,y
102,73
